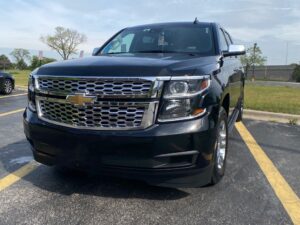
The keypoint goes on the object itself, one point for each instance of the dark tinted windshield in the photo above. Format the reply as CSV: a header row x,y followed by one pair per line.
x,y
174,39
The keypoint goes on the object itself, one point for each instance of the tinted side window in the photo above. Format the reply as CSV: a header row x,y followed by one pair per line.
x,y
223,43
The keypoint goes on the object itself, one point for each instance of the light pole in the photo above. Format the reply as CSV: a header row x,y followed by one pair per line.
x,y
253,60
286,53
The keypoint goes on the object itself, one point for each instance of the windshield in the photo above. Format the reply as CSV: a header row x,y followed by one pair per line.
x,y
174,39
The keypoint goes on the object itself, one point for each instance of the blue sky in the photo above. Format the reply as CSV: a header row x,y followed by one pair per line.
x,y
273,24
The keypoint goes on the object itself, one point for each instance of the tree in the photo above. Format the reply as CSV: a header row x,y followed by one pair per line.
x,y
253,58
20,55
36,62
21,65
5,63
64,41
296,73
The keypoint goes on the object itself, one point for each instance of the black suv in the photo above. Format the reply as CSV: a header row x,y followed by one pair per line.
x,y
7,83
155,102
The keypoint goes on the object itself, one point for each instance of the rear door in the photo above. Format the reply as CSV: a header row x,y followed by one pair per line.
x,y
227,70
232,73
236,80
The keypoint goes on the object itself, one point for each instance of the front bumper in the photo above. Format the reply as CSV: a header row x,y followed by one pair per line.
x,y
171,154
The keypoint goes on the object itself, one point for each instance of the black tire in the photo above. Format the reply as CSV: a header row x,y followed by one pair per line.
x,y
241,111
219,168
6,87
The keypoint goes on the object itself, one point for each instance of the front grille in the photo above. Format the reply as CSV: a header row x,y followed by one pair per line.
x,y
99,115
104,87
119,103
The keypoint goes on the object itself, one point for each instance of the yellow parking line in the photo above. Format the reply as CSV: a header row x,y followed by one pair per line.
x,y
11,112
17,175
8,96
282,189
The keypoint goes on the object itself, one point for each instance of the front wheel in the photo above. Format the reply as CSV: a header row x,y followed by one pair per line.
x,y
7,87
221,145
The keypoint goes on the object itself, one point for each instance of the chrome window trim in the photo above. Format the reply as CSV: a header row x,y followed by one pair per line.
x,y
148,117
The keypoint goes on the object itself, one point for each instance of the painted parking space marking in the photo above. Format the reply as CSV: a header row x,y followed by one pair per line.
x,y
16,95
12,178
11,112
282,189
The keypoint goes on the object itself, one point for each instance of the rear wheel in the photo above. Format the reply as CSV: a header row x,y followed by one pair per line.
x,y
221,146
7,87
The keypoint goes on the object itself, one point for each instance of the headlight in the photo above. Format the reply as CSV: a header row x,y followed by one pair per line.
x,y
178,88
186,88
182,98
31,95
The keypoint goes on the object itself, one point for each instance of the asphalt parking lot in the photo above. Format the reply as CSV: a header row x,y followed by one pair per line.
x,y
253,191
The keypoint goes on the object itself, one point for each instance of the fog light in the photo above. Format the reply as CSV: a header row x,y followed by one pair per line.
x,y
175,109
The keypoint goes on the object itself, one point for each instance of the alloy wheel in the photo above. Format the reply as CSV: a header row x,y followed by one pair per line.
x,y
221,145
7,86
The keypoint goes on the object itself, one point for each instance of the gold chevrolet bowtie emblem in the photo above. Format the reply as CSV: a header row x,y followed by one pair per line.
x,y
80,99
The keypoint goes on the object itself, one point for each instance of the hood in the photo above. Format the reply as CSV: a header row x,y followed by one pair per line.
x,y
6,75
130,65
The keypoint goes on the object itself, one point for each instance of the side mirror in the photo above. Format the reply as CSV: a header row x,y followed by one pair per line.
x,y
95,51
235,50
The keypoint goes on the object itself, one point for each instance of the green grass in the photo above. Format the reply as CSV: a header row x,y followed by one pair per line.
x,y
272,99
21,76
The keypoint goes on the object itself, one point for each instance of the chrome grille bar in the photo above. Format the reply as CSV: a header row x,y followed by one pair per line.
x,y
102,115
103,87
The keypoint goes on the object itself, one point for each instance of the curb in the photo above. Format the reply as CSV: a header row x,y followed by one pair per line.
x,y
271,116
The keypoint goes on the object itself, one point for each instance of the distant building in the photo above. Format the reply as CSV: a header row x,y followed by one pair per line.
x,y
274,72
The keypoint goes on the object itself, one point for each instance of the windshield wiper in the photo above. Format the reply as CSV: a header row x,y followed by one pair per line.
x,y
155,51
112,53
